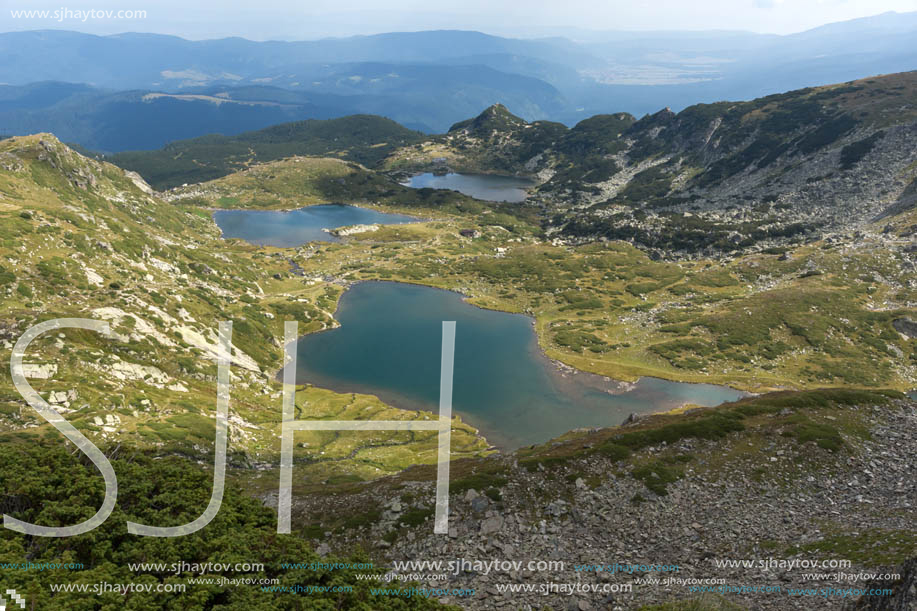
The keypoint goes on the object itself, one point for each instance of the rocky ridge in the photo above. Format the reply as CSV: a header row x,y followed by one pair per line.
x,y
723,177
740,497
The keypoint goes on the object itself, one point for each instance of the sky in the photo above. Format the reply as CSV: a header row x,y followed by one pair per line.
x,y
311,19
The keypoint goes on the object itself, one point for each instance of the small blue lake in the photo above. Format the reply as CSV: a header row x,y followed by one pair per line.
x,y
486,187
389,345
289,228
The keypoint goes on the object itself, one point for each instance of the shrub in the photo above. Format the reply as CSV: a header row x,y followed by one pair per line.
x,y
478,481
715,425
805,430
612,450
656,476
854,152
579,340
45,484
6,276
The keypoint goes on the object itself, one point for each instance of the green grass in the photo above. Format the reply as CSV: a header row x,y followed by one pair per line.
x,y
795,415
657,475
416,517
714,424
477,481
872,547
804,430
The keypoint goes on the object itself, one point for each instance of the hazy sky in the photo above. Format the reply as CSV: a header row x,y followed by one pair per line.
x,y
309,19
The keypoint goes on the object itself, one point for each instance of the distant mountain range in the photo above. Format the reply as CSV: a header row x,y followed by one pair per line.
x,y
140,91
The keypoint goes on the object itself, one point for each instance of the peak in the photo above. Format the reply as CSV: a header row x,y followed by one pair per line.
x,y
48,151
496,108
39,145
32,140
499,110
658,118
494,117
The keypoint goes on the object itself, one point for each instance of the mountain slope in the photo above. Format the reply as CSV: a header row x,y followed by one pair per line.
x,y
360,138
733,175
85,239
800,477
713,177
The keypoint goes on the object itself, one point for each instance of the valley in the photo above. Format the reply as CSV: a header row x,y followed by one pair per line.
x,y
765,247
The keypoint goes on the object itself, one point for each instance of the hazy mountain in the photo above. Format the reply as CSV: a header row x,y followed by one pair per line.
x,y
147,61
156,61
424,80
113,121
424,97
429,97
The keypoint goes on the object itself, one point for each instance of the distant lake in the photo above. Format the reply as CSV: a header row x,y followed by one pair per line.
x,y
296,227
389,345
480,186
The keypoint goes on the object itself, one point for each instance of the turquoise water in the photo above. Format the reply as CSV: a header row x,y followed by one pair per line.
x,y
296,227
480,186
389,345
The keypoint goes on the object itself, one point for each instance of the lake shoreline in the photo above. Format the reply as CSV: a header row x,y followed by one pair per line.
x,y
502,188
308,224
561,376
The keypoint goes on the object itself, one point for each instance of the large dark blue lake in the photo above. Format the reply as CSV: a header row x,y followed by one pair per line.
x,y
480,186
389,345
288,228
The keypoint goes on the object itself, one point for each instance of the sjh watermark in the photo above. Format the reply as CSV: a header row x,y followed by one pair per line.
x,y
16,599
66,14
443,426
